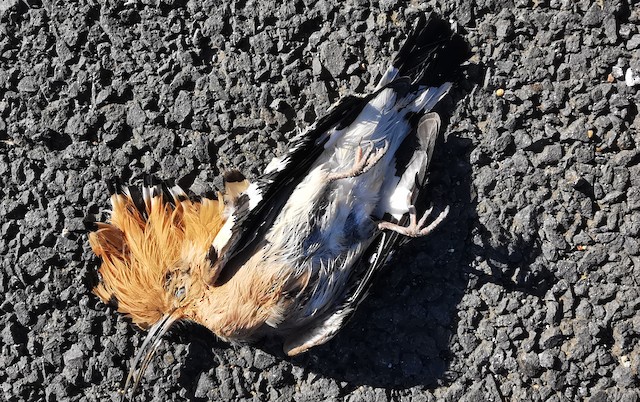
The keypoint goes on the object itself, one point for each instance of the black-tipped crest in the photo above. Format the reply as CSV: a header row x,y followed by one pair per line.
x,y
233,176
150,180
90,224
169,183
110,187
113,302
211,195
166,194
138,200
114,185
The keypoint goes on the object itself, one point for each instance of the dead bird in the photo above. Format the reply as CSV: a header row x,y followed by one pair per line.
x,y
155,236
299,251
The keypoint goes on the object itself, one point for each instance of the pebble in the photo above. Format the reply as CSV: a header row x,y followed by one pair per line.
x,y
632,77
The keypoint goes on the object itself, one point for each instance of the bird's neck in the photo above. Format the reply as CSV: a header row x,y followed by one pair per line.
x,y
240,307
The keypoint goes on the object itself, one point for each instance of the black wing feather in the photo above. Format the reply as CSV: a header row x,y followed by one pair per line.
x,y
432,53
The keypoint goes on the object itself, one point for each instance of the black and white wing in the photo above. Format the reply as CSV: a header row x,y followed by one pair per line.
x,y
380,250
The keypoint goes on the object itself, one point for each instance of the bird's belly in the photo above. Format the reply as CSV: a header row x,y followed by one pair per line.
x,y
325,217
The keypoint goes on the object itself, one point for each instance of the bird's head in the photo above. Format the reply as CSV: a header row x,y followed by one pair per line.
x,y
157,256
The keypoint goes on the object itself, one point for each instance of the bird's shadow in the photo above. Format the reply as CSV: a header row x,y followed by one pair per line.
x,y
401,335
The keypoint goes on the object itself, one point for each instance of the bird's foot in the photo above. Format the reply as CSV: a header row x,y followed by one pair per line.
x,y
416,227
365,160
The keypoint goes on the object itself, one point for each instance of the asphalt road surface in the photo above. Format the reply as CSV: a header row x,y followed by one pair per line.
x,y
528,291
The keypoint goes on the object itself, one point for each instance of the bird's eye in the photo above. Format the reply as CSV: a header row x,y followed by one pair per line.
x,y
180,293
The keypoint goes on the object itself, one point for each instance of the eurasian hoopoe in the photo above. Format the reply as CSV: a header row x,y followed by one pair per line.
x,y
156,245
299,251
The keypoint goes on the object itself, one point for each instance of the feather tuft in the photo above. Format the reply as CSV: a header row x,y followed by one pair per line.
x,y
146,236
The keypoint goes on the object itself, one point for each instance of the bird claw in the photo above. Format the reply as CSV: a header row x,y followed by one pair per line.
x,y
364,162
416,227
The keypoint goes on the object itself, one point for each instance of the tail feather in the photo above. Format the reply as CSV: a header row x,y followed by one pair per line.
x,y
429,98
400,192
427,132
430,55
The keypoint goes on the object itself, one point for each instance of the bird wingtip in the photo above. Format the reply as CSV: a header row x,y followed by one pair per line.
x,y
233,176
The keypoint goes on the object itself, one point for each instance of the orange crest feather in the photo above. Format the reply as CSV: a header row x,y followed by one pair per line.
x,y
138,251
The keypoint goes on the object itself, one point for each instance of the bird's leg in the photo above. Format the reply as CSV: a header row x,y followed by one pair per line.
x,y
416,227
364,161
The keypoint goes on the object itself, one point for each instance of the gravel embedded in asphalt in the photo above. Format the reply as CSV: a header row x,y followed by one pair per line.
x,y
528,291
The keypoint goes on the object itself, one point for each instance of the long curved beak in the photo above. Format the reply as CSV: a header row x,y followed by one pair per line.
x,y
148,349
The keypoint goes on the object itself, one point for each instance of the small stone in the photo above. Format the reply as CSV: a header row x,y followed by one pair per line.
x,y
577,131
599,396
486,179
22,313
500,92
7,5
354,67
631,78
550,155
73,362
593,16
28,84
625,31
547,359
617,71
102,96
205,384
76,126
550,338
633,42
530,364
276,376
623,376
332,56
504,28
262,360
13,334
611,28
135,114
613,197
182,107
316,67
633,198
279,104
626,157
